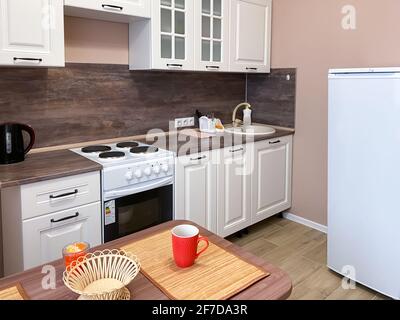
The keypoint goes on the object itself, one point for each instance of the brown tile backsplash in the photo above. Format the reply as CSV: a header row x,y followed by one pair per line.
x,y
84,102
273,97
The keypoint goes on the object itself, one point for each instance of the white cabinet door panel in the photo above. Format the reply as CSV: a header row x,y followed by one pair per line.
x,y
44,237
211,40
250,35
32,33
173,33
271,178
234,187
195,190
271,194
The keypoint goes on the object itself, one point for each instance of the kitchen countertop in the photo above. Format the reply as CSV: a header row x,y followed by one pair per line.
x,y
277,286
41,166
45,166
186,142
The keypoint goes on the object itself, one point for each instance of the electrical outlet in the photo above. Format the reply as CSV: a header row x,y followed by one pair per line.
x,y
184,122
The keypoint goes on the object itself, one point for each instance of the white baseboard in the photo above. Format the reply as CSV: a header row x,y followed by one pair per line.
x,y
308,223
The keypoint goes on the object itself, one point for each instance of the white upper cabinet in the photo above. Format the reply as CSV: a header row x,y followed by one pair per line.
x,y
32,33
211,40
250,35
112,10
166,41
203,35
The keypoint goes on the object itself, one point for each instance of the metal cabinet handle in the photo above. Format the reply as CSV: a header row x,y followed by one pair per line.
x,y
199,158
38,60
213,67
275,142
237,150
251,69
111,7
64,194
174,65
76,215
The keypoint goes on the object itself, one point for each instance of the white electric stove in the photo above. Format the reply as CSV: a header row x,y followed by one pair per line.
x,y
137,186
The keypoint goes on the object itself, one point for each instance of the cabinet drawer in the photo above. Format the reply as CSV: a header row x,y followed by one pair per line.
x,y
113,10
44,237
59,194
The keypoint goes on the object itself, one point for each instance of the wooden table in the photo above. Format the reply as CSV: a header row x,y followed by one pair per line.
x,y
277,286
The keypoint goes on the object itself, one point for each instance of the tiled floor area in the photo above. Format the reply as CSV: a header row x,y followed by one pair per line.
x,y
301,252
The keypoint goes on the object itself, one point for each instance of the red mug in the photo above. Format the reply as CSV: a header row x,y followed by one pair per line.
x,y
185,242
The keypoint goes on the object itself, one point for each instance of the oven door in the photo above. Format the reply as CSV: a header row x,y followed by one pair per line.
x,y
135,212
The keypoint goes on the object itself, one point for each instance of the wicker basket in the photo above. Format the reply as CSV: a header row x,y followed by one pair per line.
x,y
102,275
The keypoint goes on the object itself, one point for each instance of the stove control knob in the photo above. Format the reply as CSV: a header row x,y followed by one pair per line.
x,y
138,173
157,169
129,175
147,171
165,168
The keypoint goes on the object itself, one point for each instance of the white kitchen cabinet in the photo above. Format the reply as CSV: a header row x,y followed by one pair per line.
x,y
39,219
250,35
32,33
166,41
234,189
195,190
271,178
59,194
227,190
44,237
211,40
111,10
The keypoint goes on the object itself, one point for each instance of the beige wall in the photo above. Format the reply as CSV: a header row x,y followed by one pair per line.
x,y
307,34
94,41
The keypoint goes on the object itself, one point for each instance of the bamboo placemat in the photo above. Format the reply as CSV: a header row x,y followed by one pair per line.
x,y
216,275
13,293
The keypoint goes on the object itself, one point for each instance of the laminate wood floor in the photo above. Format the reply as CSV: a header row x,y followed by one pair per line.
x,y
301,252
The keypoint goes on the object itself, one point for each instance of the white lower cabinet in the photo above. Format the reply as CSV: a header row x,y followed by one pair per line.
x,y
230,189
44,237
272,178
41,218
234,190
195,190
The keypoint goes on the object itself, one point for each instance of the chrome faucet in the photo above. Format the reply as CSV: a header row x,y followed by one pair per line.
x,y
236,122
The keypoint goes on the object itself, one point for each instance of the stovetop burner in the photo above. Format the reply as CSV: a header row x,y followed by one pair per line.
x,y
112,155
95,149
144,150
128,144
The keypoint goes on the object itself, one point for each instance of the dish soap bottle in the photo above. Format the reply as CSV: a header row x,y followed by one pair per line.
x,y
247,116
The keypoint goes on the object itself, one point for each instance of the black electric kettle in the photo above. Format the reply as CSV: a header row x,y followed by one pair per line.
x,y
12,147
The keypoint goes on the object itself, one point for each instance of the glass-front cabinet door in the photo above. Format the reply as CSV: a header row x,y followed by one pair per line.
x,y
173,25
212,35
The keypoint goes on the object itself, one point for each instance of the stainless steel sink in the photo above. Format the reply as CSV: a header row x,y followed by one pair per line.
x,y
253,130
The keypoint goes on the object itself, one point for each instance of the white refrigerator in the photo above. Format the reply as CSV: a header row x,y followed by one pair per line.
x,y
364,177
